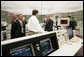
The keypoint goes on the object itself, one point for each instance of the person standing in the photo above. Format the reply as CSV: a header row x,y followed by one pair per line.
x,y
72,22
18,27
49,24
3,25
33,24
3,29
13,26
57,22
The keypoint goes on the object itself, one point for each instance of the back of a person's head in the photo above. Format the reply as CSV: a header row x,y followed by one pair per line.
x,y
34,12
3,20
69,17
73,18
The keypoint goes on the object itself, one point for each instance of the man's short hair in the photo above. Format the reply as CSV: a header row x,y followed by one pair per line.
x,y
47,15
3,20
57,17
34,12
69,17
19,15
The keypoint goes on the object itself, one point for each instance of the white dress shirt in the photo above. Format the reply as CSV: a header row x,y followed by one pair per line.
x,y
34,25
21,25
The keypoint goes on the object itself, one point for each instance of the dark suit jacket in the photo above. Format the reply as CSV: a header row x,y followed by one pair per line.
x,y
72,24
49,25
16,29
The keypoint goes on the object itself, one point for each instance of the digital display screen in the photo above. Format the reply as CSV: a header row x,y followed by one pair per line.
x,y
25,50
64,21
46,47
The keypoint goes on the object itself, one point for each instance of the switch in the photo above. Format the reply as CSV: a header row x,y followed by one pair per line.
x,y
38,48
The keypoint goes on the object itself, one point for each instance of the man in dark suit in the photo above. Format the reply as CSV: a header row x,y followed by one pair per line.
x,y
18,27
13,26
49,24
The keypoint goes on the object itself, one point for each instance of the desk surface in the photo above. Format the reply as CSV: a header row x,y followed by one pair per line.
x,y
28,37
68,49
79,52
25,38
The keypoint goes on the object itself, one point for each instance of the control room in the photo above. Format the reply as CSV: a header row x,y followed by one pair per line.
x,y
41,28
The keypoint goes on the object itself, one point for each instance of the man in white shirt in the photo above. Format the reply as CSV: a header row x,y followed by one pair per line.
x,y
33,24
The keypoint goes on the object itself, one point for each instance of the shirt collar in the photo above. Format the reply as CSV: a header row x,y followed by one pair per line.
x,y
34,16
20,20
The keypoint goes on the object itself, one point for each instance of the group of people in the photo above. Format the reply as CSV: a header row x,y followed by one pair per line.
x,y
33,25
18,25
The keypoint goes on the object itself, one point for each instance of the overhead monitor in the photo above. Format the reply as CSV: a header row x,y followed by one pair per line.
x,y
46,46
25,50
63,22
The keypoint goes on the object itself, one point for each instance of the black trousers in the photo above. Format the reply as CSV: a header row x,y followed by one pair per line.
x,y
58,27
4,36
18,36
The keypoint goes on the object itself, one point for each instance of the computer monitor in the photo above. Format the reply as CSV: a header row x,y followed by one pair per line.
x,y
46,46
37,45
70,32
25,50
63,22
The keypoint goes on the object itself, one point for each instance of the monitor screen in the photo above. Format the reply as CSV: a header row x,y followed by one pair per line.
x,y
70,33
25,50
64,21
46,46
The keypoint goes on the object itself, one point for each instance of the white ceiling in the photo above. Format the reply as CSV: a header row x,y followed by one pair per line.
x,y
47,7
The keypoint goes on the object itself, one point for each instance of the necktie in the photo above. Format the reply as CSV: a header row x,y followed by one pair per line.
x,y
47,22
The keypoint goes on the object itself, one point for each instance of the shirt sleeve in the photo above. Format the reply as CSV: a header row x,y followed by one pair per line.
x,y
40,29
35,25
